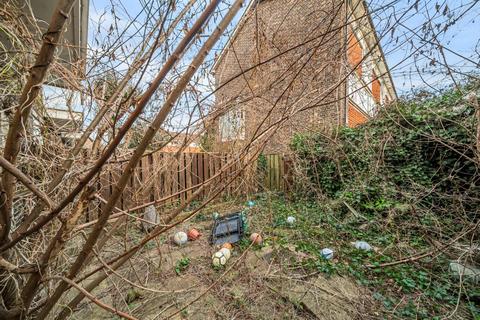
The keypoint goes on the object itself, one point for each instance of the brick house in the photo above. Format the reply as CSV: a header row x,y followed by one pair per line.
x,y
308,64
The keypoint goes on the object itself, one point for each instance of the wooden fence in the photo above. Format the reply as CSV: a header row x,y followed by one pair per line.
x,y
277,172
167,178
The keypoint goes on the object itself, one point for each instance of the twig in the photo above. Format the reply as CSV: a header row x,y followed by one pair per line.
x,y
95,300
25,181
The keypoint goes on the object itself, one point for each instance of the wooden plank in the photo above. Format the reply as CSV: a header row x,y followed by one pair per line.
x,y
126,194
211,171
170,184
218,166
194,169
157,163
201,174
181,177
151,178
269,172
277,172
189,174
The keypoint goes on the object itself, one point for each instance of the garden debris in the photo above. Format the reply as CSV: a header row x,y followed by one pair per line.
x,y
327,253
464,272
256,239
180,238
227,229
219,258
258,261
150,218
362,245
227,245
193,234
226,252
291,220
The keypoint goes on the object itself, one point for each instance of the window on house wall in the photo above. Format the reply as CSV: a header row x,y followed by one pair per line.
x,y
232,124
360,96
367,69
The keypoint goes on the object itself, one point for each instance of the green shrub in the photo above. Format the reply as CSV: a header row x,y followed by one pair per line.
x,y
420,151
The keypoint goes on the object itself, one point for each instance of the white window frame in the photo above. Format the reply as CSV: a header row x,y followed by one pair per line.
x,y
232,124
360,95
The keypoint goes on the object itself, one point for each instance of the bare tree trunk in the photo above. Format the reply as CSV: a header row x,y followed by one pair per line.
x,y
182,83
176,55
107,210
138,62
20,120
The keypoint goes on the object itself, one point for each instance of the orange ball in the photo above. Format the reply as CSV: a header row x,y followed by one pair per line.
x,y
193,234
227,245
256,238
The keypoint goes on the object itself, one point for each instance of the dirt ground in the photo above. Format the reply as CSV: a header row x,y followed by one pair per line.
x,y
258,286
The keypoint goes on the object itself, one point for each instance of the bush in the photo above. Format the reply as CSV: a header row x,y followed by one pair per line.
x,y
420,152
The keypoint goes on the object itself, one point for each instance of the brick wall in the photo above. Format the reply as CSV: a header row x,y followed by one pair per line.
x,y
376,89
298,79
354,52
355,117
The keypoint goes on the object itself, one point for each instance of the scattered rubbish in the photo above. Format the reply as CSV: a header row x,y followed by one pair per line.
x,y
150,218
227,229
180,238
256,238
362,245
219,259
250,203
215,215
193,234
226,252
466,273
227,245
327,253
291,220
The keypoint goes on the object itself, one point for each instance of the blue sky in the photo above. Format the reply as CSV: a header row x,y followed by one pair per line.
x,y
407,71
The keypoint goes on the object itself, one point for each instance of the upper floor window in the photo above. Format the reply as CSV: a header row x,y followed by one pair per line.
x,y
232,124
367,69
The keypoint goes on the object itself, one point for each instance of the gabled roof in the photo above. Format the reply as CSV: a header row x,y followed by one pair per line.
x,y
361,9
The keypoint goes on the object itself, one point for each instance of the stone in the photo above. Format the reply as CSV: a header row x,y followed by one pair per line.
x,y
466,273
151,217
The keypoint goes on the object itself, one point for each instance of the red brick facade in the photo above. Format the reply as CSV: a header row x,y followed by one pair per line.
x,y
355,117
286,63
354,53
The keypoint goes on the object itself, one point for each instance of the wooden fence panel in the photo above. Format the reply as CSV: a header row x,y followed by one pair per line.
x,y
162,174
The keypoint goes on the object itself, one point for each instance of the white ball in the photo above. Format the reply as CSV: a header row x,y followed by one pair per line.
x,y
291,220
219,259
180,238
226,252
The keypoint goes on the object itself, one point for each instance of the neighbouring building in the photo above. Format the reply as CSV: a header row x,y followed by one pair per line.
x,y
307,64
35,16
